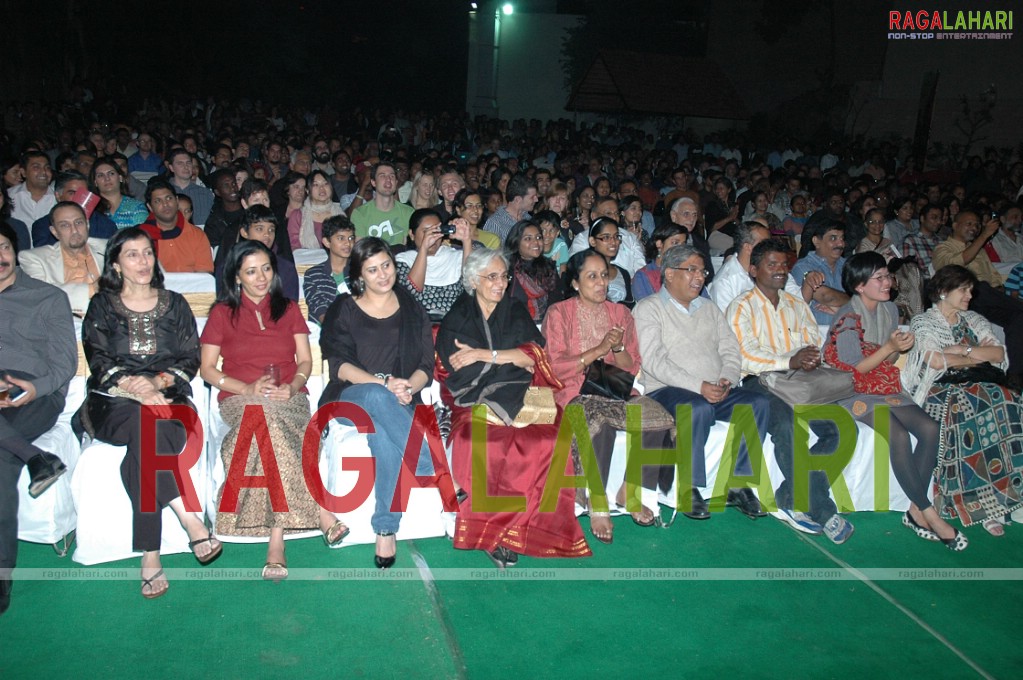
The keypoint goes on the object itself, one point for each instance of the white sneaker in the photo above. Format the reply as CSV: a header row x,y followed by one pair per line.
x,y
800,521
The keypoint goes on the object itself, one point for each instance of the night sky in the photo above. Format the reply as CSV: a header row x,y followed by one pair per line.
x,y
340,52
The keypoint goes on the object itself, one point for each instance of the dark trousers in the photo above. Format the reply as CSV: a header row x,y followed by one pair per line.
x,y
1007,312
122,426
781,425
18,427
704,416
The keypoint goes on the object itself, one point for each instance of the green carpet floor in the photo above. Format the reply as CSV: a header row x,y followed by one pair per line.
x,y
589,624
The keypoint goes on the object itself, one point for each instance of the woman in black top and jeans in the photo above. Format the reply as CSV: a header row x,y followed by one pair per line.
x,y
379,346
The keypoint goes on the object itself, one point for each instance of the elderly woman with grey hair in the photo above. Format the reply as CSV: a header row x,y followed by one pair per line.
x,y
493,354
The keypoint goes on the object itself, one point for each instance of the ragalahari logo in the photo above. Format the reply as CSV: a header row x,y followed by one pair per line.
x,y
741,428
924,24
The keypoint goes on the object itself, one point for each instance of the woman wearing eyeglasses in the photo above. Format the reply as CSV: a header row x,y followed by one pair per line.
x,y
865,339
606,240
469,205
535,279
493,354
588,329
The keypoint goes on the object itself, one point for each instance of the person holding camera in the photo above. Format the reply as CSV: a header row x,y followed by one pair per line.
x,y
432,272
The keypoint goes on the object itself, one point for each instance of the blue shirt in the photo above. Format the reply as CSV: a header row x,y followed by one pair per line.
x,y
832,279
136,163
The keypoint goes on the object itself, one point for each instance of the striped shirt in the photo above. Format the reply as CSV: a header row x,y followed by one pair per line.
x,y
770,336
1015,280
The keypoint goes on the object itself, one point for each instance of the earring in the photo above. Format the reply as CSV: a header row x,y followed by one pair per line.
x,y
942,296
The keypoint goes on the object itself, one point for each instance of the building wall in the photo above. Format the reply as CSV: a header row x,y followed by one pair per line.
x,y
530,82
966,68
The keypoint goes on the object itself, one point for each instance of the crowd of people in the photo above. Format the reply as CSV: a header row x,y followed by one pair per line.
x,y
532,270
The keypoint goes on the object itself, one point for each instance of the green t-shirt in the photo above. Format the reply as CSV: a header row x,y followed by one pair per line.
x,y
391,226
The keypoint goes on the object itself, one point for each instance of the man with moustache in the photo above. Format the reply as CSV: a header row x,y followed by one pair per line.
x,y
342,179
826,257
65,187
321,156
74,263
39,355
776,332
180,245
33,199
920,246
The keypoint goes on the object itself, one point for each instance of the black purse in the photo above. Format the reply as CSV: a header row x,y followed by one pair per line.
x,y
980,373
607,380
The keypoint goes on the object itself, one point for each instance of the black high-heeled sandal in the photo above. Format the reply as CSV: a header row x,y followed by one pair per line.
x,y
502,557
386,562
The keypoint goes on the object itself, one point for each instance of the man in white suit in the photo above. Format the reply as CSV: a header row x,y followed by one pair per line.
x,y
74,263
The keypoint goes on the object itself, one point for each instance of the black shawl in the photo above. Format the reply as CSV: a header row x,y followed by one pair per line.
x,y
502,387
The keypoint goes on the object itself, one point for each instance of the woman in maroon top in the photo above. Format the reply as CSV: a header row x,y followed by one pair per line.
x,y
264,343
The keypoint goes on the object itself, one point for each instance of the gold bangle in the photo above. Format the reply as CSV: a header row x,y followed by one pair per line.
x,y
304,376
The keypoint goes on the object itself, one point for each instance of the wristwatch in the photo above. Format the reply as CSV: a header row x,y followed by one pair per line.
x,y
493,356
619,349
969,348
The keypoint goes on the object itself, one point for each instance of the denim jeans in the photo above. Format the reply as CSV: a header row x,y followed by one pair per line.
x,y
704,416
781,426
392,422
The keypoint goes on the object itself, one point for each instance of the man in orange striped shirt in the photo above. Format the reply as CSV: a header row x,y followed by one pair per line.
x,y
777,332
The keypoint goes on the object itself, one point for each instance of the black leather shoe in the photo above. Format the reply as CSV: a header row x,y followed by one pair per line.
x,y
746,502
5,594
45,469
699,509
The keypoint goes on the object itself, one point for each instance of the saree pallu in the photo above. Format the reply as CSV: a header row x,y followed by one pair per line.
x,y
518,460
254,516
980,473
602,412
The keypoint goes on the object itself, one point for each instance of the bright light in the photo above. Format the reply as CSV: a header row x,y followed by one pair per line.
x,y
507,9
473,5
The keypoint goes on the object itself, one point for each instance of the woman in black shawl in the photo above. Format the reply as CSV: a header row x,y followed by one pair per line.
x,y
493,353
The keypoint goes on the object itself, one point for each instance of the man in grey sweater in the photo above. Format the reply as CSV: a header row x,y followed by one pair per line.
x,y
690,356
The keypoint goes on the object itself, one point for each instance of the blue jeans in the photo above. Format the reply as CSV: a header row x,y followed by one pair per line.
x,y
704,416
392,422
781,425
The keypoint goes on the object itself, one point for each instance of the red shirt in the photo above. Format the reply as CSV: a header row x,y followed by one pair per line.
x,y
247,348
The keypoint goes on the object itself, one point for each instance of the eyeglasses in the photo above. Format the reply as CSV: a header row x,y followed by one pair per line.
x,y
882,277
691,270
874,222
496,277
604,238
473,206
